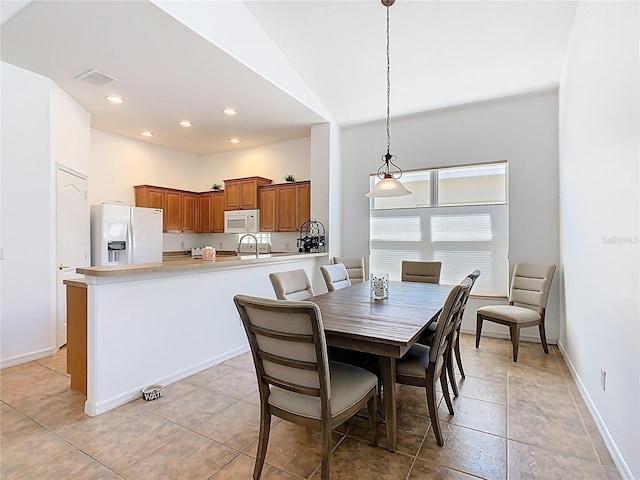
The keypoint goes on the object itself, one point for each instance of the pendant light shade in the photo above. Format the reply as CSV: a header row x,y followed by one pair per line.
x,y
389,185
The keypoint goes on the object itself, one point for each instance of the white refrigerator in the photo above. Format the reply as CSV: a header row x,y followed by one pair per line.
x,y
122,235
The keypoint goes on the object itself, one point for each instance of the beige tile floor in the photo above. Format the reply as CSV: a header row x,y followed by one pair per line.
x,y
522,420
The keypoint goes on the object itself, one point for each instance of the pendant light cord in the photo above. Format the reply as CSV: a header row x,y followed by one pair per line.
x,y
388,85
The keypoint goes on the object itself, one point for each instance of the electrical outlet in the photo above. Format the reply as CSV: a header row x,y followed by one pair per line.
x,y
286,246
603,379
220,246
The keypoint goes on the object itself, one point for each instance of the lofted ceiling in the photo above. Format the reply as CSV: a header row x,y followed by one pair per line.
x,y
443,53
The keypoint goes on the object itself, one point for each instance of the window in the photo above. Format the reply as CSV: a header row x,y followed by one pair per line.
x,y
458,216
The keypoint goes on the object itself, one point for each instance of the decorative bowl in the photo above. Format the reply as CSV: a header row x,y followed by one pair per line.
x,y
152,392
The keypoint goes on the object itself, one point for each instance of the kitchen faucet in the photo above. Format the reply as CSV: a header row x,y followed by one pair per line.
x,y
252,236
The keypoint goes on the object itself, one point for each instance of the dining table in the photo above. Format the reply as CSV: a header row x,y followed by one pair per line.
x,y
386,327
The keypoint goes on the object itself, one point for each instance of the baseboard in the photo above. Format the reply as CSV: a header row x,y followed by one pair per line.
x,y
94,409
623,468
27,357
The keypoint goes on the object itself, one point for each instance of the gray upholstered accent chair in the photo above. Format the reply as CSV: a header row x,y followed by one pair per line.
x,y
291,285
296,381
527,303
422,365
355,268
454,346
425,272
335,276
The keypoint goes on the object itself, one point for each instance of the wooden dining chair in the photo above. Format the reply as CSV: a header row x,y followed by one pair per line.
x,y
454,346
335,276
527,304
291,285
295,379
422,365
425,272
355,268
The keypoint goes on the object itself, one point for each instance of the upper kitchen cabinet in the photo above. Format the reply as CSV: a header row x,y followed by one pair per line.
x,y
188,214
210,212
178,207
150,197
284,207
268,208
242,193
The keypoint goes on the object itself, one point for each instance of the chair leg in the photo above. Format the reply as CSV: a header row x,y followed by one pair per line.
x,y
433,410
514,331
452,376
478,330
445,389
543,337
263,440
459,356
373,418
326,450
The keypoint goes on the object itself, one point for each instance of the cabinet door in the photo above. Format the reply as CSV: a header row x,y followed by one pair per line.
x,y
232,195
303,194
268,208
149,197
249,194
188,212
173,212
287,213
204,213
218,212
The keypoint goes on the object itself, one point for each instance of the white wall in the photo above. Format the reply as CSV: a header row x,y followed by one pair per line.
x,y
35,114
599,209
272,161
118,163
523,131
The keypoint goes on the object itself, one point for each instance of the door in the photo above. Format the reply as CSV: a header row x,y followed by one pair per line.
x,y
72,238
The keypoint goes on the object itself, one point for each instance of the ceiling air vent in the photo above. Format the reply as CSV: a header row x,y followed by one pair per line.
x,y
95,77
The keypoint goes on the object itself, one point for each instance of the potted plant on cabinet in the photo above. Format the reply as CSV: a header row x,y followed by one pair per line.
x,y
216,186
289,178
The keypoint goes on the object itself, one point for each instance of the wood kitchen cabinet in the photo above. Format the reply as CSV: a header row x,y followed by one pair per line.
x,y
268,208
173,212
217,202
150,197
303,201
242,193
188,214
210,212
178,207
77,333
284,207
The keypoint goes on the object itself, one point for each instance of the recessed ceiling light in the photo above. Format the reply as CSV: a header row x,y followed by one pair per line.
x,y
229,111
184,123
146,133
234,140
114,99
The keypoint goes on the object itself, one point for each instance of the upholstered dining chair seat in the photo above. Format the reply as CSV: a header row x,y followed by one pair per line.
x,y
348,387
510,313
416,361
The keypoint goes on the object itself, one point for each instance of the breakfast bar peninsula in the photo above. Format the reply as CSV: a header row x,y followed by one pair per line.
x,y
157,323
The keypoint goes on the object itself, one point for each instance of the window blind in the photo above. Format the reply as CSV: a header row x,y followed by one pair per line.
x,y
463,238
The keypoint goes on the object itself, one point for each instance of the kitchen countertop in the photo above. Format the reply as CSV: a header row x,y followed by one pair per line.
x,y
189,263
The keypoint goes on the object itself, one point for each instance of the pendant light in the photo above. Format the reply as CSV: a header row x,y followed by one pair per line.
x,y
388,186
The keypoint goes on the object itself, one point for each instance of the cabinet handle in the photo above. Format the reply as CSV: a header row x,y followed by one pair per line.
x,y
62,266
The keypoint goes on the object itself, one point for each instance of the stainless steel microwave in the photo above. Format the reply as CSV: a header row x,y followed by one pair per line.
x,y
242,221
